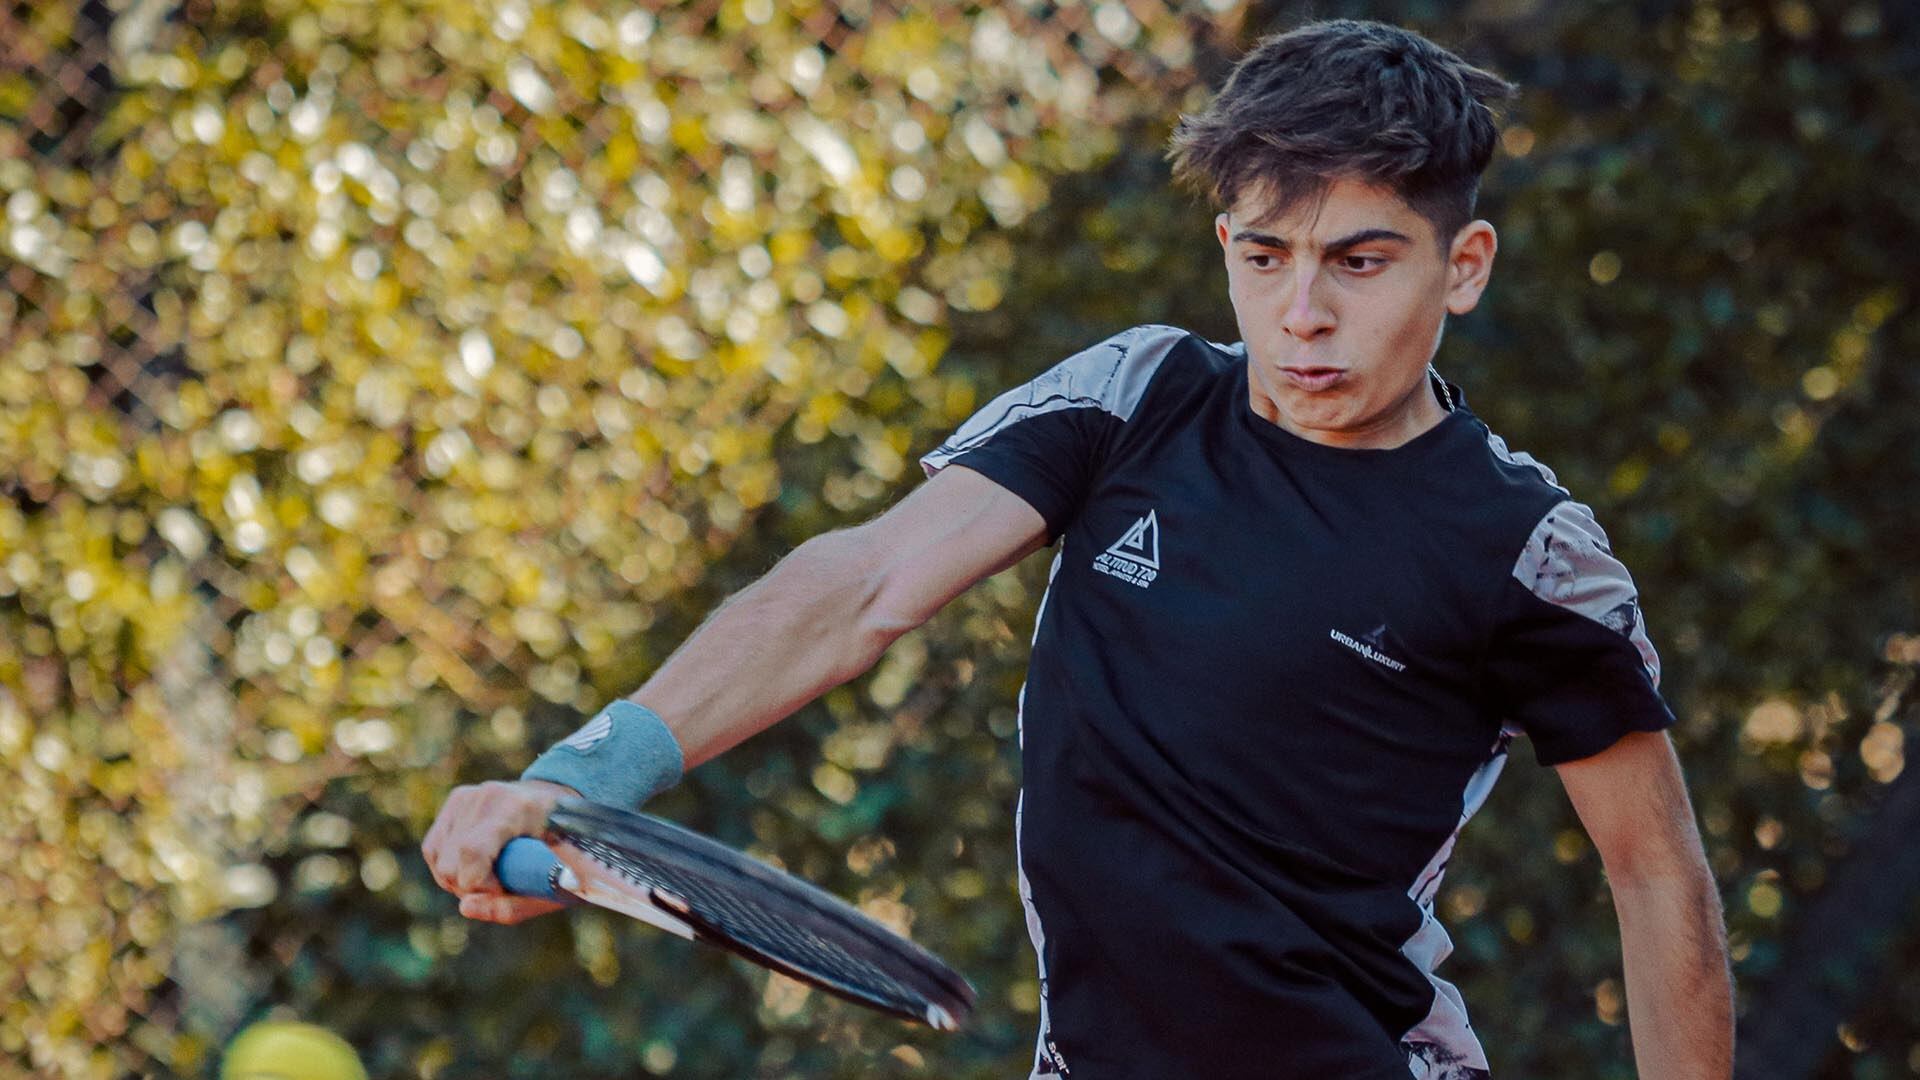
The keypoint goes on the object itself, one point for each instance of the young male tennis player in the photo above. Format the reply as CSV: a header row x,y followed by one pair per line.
x,y
1302,600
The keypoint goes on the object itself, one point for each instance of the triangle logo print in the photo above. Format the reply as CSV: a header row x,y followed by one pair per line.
x,y
1141,543
1135,557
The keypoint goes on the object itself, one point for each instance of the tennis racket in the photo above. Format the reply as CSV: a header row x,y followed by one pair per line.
x,y
703,890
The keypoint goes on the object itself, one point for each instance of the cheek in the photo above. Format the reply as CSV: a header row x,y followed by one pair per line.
x,y
1236,285
1408,316
1240,296
1252,299
1421,325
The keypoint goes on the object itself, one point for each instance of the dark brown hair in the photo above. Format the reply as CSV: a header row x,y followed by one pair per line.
x,y
1346,99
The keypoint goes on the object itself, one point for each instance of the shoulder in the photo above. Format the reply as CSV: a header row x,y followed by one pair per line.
x,y
1114,374
1568,563
1512,500
1530,477
1101,385
1523,467
1562,558
1505,489
1553,519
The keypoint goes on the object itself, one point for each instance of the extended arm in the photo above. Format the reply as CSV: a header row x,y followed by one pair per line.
x,y
829,610
1633,802
821,616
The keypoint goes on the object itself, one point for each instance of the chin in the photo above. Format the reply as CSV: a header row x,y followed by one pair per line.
x,y
1329,424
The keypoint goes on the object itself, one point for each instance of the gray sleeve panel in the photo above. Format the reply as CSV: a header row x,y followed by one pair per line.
x,y
1569,662
1568,563
1111,376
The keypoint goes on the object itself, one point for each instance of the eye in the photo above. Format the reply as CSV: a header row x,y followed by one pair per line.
x,y
1262,260
1362,264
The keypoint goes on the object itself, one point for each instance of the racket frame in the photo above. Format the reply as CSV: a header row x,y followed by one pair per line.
x,y
810,908
585,877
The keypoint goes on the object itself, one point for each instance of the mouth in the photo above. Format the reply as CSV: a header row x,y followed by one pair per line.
x,y
1313,378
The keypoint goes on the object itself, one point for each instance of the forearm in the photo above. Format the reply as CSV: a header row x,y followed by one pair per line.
x,y
804,628
1679,992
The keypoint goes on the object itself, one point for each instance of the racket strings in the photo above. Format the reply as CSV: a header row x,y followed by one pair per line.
x,y
751,923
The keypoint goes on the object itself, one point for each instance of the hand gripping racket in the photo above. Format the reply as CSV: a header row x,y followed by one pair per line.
x,y
703,890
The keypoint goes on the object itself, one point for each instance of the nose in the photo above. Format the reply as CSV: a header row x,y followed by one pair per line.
x,y
1307,315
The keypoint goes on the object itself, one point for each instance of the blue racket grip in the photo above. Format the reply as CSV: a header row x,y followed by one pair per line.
x,y
526,867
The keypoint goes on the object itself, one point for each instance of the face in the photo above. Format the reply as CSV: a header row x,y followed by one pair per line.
x,y
1341,303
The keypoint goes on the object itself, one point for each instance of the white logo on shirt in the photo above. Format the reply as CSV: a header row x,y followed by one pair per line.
x,y
1135,557
1369,647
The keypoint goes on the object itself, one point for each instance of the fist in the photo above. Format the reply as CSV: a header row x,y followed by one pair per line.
x,y
474,823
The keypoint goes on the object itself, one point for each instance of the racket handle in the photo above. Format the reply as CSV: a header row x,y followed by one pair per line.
x,y
527,867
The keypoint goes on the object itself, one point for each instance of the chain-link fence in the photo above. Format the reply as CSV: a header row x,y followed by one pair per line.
x,y
370,372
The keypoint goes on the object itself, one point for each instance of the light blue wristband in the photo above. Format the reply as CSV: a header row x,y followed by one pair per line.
x,y
622,757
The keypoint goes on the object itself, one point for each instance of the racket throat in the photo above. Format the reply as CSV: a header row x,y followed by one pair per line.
x,y
653,910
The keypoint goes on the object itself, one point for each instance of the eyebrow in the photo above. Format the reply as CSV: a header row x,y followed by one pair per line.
x,y
1344,243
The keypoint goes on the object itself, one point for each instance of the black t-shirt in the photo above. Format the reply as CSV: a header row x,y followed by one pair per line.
x,y
1270,680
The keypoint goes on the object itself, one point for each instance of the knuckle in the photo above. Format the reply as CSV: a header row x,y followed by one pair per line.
x,y
470,870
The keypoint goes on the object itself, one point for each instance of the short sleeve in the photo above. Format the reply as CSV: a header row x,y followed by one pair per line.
x,y
1045,440
1570,663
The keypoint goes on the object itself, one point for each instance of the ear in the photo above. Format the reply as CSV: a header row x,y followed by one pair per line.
x,y
1220,230
1470,265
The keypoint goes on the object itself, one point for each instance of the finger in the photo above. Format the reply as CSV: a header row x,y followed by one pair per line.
x,y
506,910
436,848
430,846
473,865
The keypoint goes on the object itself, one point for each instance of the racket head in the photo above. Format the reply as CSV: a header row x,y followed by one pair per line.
x,y
622,858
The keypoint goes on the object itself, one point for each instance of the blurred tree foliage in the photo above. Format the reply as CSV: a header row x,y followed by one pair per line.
x,y
380,385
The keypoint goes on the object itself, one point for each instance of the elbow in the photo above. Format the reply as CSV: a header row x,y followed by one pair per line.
x,y
880,628
890,603
881,621
870,622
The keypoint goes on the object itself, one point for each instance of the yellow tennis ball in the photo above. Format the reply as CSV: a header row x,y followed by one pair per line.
x,y
285,1050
